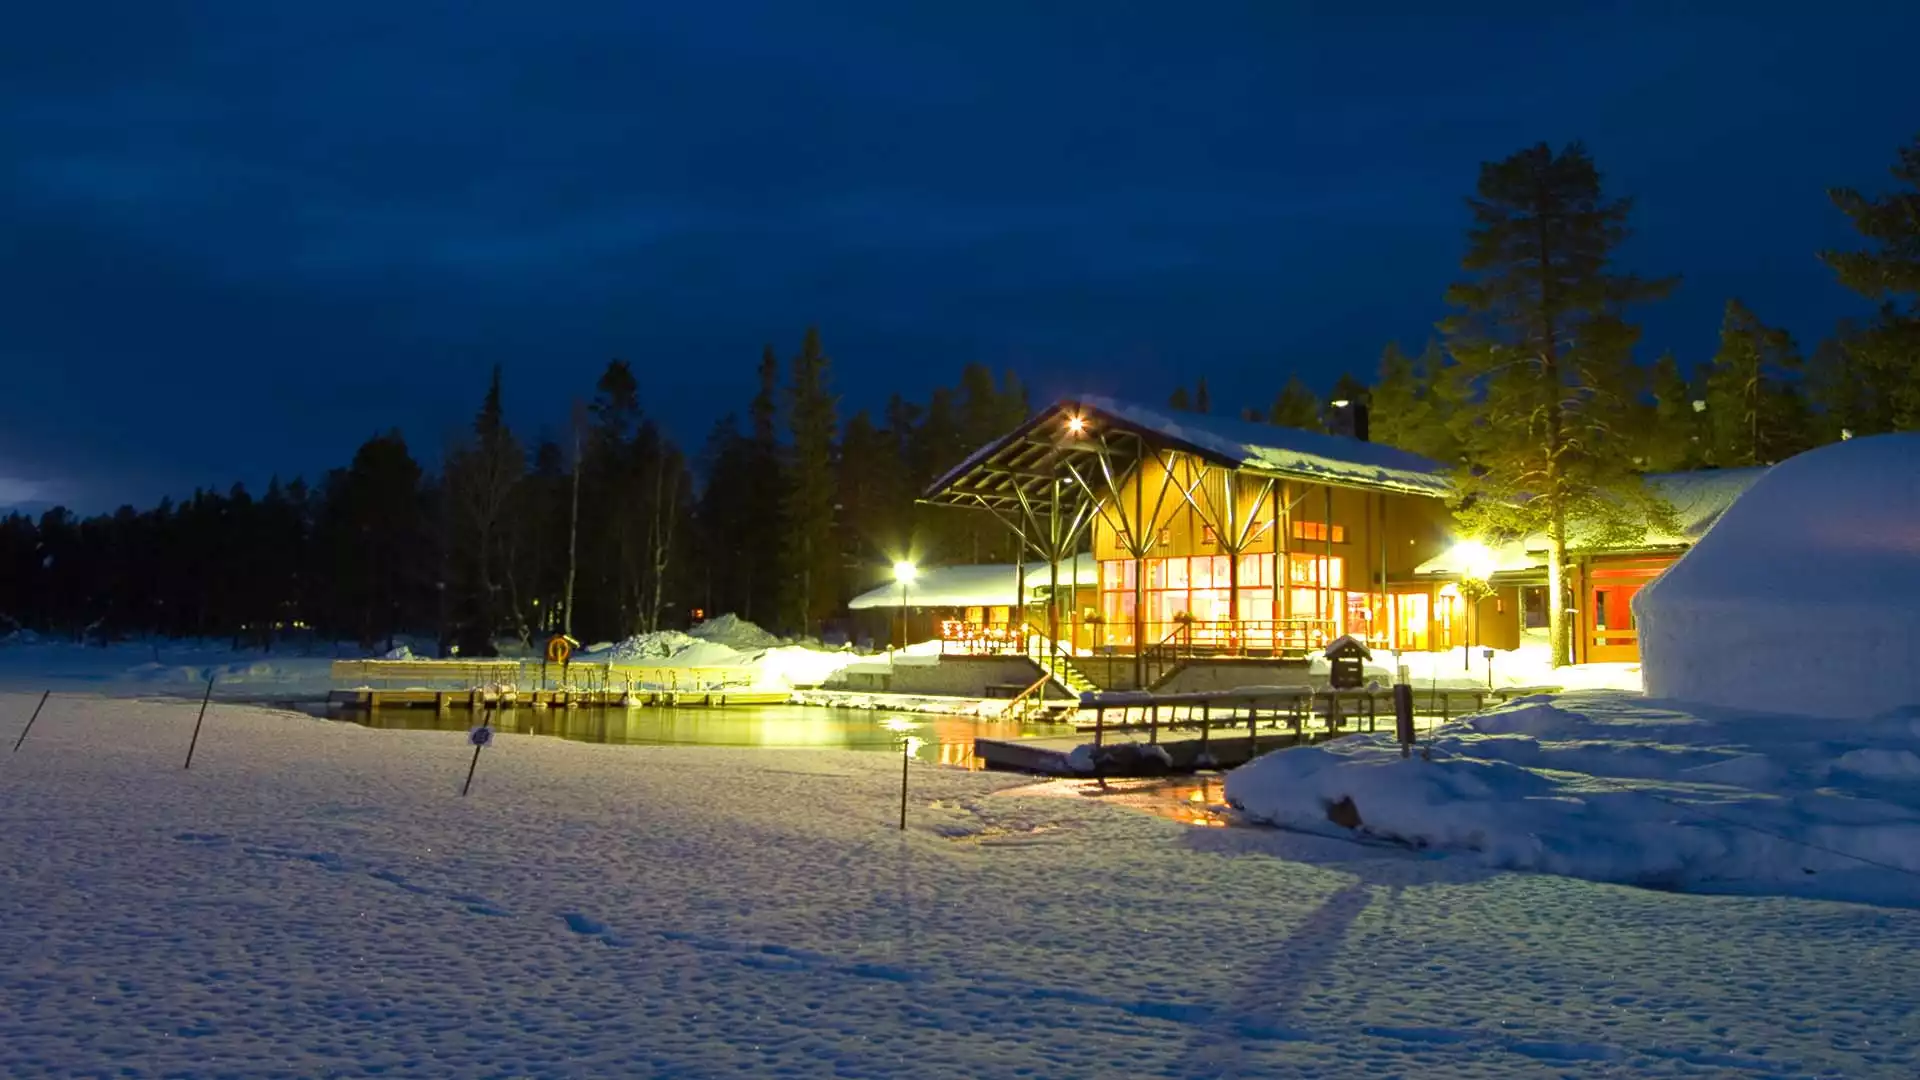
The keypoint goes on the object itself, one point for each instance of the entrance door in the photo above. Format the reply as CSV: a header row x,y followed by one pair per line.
x,y
1607,622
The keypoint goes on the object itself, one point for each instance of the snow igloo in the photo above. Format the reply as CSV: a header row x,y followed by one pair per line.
x,y
1804,597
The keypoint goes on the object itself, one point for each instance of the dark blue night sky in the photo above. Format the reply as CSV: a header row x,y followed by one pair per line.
x,y
242,237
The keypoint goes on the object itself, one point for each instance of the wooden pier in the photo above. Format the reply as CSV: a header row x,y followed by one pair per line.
x,y
446,685
1221,729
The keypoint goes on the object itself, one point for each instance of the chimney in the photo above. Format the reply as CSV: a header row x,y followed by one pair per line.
x,y
1348,418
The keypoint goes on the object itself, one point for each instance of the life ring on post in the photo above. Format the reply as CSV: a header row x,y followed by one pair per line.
x,y
559,649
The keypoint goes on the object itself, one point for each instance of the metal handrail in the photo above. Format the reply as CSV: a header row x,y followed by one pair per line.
x,y
1019,701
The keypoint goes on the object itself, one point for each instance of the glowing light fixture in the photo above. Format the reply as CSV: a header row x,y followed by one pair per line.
x,y
1076,425
904,571
1475,560
1341,404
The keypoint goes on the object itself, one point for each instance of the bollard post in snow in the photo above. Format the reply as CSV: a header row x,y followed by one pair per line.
x,y
30,720
203,719
1403,717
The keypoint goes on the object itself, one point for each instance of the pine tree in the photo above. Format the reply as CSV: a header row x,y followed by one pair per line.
x,y
1178,401
1543,387
1754,412
1296,407
812,564
1675,434
1202,401
765,471
482,477
1883,357
375,536
1404,410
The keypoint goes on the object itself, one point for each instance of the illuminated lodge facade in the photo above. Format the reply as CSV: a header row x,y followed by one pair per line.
x,y
1217,537
1226,538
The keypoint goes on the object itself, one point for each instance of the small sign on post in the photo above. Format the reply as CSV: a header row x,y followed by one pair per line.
x,y
480,737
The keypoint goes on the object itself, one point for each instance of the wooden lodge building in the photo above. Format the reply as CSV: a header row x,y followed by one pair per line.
x,y
1214,537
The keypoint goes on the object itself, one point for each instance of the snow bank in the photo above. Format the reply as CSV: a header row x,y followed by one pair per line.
x,y
735,633
1610,787
1529,665
675,648
1805,596
781,667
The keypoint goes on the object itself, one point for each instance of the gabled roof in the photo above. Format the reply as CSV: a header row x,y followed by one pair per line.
x,y
1698,499
1026,458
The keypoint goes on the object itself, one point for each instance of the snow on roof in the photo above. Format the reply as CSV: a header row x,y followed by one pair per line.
x,y
987,585
1801,598
1268,448
1698,499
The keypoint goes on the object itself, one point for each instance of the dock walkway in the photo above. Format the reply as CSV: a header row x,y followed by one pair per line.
x,y
1221,729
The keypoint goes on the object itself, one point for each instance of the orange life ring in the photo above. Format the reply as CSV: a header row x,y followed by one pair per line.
x,y
558,649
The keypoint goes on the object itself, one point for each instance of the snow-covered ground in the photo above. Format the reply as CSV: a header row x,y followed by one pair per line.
x,y
181,668
1612,786
174,668
315,899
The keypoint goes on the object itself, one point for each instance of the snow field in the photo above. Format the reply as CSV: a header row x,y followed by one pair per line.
x,y
314,899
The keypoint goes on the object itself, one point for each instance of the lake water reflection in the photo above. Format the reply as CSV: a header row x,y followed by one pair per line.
x,y
948,740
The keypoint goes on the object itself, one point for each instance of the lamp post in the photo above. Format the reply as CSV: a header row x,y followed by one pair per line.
x,y
904,572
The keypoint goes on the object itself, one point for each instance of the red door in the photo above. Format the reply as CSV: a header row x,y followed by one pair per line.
x,y
1607,623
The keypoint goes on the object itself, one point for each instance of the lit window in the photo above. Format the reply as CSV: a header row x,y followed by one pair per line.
x,y
1317,530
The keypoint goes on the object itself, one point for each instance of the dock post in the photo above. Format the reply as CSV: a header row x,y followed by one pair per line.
x,y
1153,725
1206,722
1099,722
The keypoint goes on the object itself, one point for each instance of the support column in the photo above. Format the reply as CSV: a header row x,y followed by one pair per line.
x,y
1325,595
1140,532
1053,567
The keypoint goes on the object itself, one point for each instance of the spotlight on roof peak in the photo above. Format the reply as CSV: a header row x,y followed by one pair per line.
x,y
1076,424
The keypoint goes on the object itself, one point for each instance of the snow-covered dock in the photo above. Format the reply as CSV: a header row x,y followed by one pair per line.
x,y
448,700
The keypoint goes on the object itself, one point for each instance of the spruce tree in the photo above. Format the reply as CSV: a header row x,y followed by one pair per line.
x,y
482,476
1178,401
1543,388
1883,357
1404,410
766,544
1296,407
812,563
1202,400
1754,412
1675,434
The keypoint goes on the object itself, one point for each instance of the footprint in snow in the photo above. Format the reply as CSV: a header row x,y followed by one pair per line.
x,y
587,926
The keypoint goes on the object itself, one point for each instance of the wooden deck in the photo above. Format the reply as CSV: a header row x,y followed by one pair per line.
x,y
446,685
447,700
1222,729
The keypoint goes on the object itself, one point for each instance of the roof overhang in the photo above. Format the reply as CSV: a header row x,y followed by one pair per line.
x,y
1073,438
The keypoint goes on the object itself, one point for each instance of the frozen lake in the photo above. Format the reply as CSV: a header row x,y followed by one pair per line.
x,y
947,740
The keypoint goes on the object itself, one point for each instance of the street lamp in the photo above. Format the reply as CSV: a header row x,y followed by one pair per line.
x,y
904,572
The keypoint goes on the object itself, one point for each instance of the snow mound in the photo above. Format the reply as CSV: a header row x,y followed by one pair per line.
x,y
736,633
398,652
668,648
1805,596
1608,786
